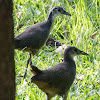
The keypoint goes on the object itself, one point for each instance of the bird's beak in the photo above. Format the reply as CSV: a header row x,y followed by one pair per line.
x,y
82,53
66,13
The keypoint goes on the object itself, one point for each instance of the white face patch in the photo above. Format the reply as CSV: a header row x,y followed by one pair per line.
x,y
72,54
54,15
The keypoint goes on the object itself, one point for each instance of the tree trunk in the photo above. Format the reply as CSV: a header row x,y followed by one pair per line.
x,y
7,68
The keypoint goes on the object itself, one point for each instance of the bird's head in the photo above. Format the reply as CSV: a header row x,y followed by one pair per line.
x,y
72,51
56,11
59,11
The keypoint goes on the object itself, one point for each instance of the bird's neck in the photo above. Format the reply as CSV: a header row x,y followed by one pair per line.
x,y
68,58
51,18
71,63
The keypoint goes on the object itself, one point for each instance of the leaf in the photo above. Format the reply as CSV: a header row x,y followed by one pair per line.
x,y
19,14
20,25
75,82
94,34
98,81
61,48
80,76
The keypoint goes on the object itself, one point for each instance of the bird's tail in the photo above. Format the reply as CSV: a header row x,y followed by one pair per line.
x,y
16,43
35,70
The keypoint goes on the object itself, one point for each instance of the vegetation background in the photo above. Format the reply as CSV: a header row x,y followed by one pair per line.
x,y
83,28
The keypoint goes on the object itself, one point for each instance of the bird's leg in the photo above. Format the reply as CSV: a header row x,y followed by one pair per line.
x,y
28,61
48,97
65,95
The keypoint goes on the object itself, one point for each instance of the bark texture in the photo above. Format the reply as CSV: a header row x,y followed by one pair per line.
x,y
7,67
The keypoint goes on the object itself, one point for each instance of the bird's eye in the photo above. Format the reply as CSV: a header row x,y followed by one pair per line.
x,y
55,8
59,10
75,50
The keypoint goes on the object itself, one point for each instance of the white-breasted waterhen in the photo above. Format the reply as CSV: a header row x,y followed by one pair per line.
x,y
59,78
33,38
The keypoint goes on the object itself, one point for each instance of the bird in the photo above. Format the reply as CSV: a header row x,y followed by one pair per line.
x,y
34,37
57,79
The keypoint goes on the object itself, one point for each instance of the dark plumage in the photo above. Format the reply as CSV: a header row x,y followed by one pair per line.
x,y
33,38
59,78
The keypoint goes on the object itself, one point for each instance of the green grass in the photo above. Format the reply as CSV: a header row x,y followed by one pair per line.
x,y
85,20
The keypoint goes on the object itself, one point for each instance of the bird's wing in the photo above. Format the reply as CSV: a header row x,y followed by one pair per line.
x,y
33,37
57,77
28,38
56,74
52,74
